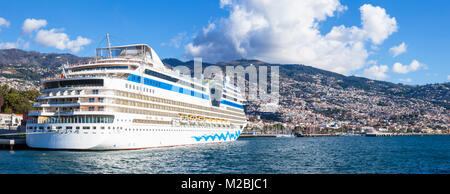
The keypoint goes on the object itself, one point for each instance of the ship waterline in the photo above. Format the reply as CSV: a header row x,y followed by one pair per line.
x,y
137,138
130,100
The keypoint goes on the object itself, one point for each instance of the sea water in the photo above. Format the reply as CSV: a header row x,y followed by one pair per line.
x,y
320,155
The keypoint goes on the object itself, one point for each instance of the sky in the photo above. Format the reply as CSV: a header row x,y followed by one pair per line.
x,y
397,41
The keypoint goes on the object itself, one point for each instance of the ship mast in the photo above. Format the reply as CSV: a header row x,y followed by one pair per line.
x,y
109,45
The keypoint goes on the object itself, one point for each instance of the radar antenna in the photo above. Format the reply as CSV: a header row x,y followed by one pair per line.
x,y
109,45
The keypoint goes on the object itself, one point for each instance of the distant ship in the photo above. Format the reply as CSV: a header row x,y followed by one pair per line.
x,y
127,99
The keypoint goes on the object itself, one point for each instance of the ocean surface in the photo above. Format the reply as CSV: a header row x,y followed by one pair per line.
x,y
321,155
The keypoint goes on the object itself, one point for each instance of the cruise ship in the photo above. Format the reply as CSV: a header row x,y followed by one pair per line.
x,y
126,98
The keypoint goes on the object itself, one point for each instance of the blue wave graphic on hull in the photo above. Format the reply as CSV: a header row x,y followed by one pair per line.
x,y
220,137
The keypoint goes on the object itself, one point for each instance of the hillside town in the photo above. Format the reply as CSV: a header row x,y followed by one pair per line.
x,y
317,108
23,77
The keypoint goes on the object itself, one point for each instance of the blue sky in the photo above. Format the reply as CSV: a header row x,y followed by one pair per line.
x,y
179,28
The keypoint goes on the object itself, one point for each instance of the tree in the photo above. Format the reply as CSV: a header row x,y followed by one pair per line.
x,y
1,102
13,101
8,110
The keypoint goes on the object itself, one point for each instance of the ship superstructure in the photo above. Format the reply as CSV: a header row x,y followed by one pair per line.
x,y
126,98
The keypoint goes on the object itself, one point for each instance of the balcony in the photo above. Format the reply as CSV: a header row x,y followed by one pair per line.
x,y
97,100
87,110
76,94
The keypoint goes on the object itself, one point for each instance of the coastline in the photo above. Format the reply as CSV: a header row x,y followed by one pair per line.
x,y
342,135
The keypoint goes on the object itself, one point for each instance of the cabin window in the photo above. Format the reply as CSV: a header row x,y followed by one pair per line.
x,y
73,83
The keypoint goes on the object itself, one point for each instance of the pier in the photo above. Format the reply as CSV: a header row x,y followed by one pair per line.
x,y
403,134
12,144
12,140
316,135
256,135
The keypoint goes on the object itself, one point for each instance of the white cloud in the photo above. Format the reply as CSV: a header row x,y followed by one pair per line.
x,y
407,80
287,31
176,41
4,23
20,43
211,26
404,69
376,72
372,62
8,45
448,77
30,25
223,3
60,40
377,23
397,50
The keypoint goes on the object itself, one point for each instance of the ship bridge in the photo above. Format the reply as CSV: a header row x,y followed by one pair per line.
x,y
117,61
136,51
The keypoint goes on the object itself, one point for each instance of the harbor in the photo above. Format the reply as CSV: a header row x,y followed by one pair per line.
x,y
12,140
316,135
256,135
404,134
13,144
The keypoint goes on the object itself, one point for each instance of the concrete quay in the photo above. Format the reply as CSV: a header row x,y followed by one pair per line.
x,y
13,144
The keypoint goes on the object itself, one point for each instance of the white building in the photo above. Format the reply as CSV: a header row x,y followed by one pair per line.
x,y
13,120
382,129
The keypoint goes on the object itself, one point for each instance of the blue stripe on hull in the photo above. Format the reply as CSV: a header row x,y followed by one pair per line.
x,y
170,87
228,135
231,104
166,86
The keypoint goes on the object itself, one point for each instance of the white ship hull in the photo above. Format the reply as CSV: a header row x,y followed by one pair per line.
x,y
97,140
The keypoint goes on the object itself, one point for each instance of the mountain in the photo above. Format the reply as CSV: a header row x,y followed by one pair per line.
x,y
23,70
50,60
437,93
307,94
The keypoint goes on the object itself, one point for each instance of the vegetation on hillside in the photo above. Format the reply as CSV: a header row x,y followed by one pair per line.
x,y
14,101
